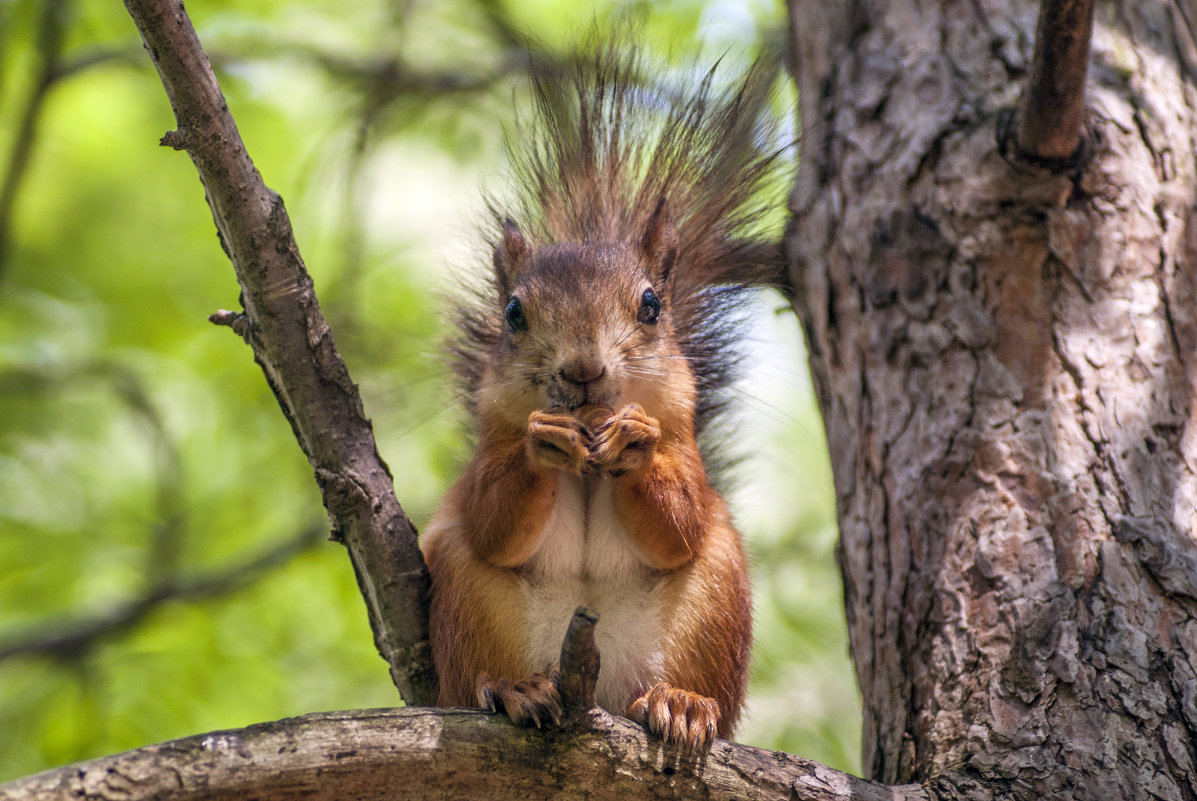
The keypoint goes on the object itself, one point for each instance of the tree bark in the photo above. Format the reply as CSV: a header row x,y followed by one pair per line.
x,y
1002,354
429,754
1004,362
294,347
443,753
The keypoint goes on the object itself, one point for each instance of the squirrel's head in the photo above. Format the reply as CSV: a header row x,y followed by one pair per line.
x,y
588,324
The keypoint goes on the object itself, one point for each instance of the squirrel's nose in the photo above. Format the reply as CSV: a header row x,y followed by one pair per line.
x,y
583,371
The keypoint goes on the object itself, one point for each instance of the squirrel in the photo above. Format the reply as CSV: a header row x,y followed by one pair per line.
x,y
593,360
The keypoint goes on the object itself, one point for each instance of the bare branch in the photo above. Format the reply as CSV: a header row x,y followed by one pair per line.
x,y
81,62
579,662
498,17
49,45
69,639
1052,111
423,754
294,347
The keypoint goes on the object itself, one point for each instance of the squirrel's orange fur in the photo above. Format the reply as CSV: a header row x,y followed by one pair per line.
x,y
591,366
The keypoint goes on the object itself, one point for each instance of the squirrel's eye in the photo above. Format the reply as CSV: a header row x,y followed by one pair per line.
x,y
650,308
515,316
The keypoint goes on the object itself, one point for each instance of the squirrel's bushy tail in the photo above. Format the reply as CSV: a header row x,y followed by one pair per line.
x,y
608,140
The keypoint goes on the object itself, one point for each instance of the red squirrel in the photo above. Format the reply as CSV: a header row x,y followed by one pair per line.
x,y
592,361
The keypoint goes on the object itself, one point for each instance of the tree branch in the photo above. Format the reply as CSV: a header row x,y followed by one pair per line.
x,y
425,754
68,639
49,46
1052,111
579,662
169,531
294,347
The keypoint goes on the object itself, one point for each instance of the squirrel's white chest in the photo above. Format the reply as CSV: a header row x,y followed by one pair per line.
x,y
585,557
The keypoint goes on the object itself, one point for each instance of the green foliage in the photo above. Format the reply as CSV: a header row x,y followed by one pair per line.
x,y
141,453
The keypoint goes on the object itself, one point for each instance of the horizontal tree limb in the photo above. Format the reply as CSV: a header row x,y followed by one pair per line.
x,y
428,754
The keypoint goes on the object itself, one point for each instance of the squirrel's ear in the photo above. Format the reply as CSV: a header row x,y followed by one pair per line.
x,y
660,244
510,255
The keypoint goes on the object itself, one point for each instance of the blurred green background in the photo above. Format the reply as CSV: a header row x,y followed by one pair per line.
x,y
164,563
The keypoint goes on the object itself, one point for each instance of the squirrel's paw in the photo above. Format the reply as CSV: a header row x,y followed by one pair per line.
x,y
677,716
624,443
534,701
594,415
558,440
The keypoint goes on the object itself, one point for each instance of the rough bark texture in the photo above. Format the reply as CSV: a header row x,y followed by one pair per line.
x,y
294,347
435,753
429,754
445,753
1004,358
1002,354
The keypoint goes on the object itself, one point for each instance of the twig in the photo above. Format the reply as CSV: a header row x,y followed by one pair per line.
x,y
294,347
49,45
69,639
1052,111
579,662
168,534
234,320
498,16
69,67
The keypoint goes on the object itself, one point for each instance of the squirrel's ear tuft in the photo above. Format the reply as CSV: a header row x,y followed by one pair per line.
x,y
660,244
510,255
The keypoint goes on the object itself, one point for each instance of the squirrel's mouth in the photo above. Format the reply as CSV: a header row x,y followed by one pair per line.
x,y
575,397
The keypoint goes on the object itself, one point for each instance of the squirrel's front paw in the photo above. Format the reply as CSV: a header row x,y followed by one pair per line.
x,y
677,716
624,443
558,440
531,702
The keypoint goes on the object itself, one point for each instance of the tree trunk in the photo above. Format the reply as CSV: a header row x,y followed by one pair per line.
x,y
1003,354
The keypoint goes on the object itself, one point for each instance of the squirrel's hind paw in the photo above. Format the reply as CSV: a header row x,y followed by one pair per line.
x,y
531,702
677,716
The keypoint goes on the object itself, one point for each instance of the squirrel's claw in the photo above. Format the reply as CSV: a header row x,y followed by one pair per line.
x,y
624,443
531,702
558,440
677,716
